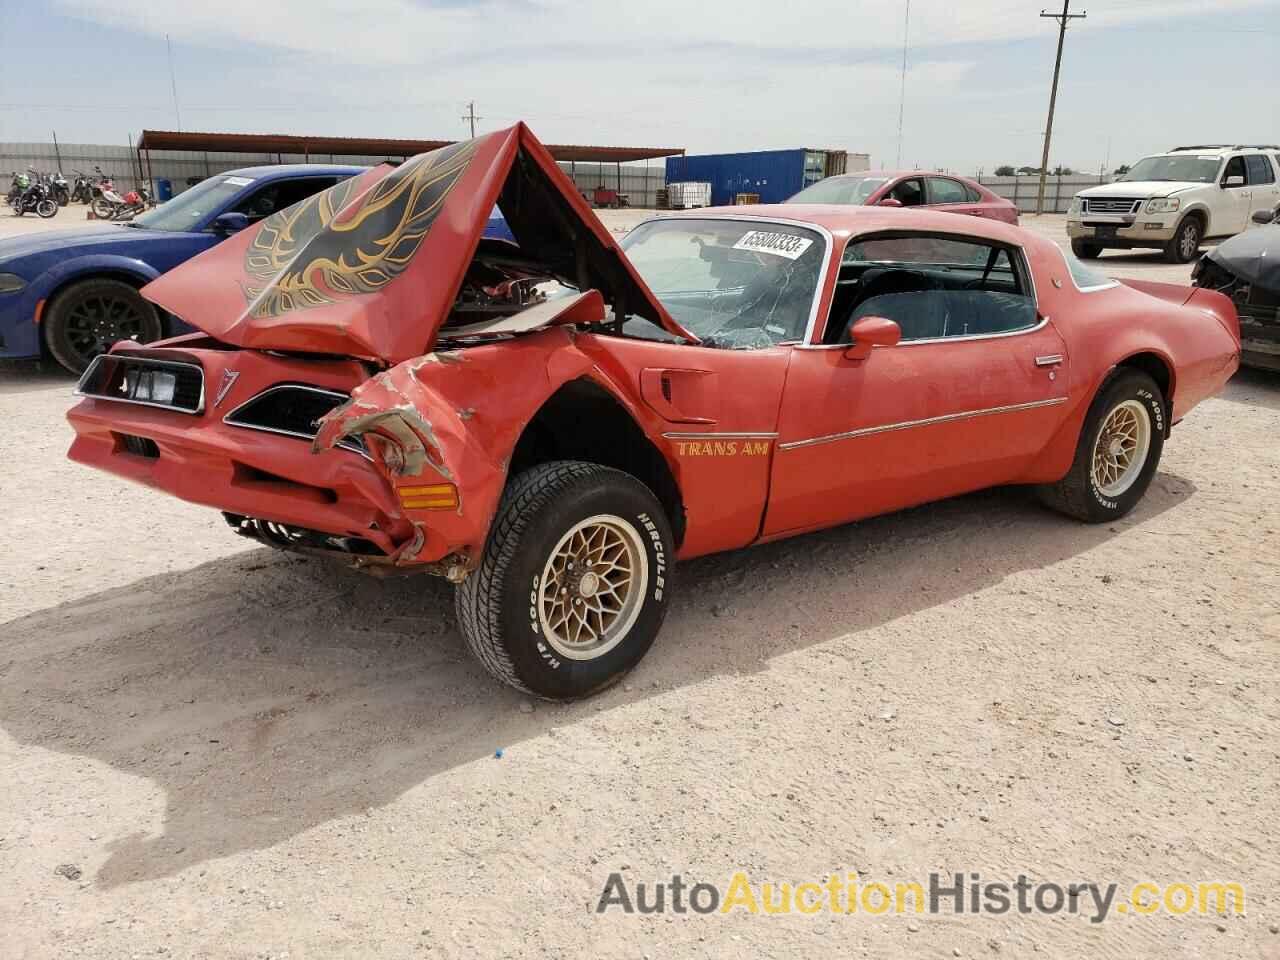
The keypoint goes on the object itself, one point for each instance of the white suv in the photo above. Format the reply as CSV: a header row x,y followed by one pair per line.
x,y
1175,200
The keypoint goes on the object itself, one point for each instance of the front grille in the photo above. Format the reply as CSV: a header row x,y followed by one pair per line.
x,y
1111,205
168,384
290,409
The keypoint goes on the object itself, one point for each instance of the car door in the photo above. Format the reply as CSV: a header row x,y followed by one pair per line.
x,y
1263,187
948,410
1234,213
951,196
909,192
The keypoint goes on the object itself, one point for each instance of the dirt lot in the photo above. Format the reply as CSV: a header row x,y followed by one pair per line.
x,y
245,754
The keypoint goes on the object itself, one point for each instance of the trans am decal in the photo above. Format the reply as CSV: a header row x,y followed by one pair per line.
x,y
337,244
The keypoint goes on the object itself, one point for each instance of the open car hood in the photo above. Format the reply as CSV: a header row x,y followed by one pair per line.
x,y
371,267
1253,256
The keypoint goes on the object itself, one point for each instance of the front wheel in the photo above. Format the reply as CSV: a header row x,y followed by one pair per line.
x,y
47,209
1118,451
574,582
1185,243
1085,250
103,208
86,318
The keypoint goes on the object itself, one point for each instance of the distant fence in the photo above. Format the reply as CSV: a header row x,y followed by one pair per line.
x,y
1058,191
639,182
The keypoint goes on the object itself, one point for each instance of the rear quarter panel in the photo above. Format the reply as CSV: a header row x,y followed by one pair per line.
x,y
1196,332
1198,342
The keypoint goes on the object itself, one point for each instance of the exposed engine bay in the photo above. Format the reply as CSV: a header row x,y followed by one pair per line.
x,y
500,282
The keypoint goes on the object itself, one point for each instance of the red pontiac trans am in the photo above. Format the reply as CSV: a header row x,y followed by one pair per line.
x,y
553,423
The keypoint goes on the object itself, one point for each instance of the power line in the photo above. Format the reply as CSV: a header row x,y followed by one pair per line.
x,y
471,115
1062,19
173,82
902,94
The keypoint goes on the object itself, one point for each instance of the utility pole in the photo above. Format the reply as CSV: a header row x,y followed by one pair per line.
x,y
471,115
1062,19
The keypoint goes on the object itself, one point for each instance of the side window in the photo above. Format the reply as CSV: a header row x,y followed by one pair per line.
x,y
942,190
1259,168
909,193
279,194
932,286
974,195
1234,168
1086,278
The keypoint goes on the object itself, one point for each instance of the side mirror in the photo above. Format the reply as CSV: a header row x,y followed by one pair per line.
x,y
889,202
1264,216
871,332
1232,182
228,223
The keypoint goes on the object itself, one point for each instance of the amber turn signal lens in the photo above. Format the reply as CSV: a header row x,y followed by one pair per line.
x,y
435,496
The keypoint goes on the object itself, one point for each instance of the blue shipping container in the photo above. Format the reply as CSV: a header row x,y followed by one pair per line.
x,y
776,175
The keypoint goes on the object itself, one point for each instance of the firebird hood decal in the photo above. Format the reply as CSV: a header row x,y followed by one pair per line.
x,y
371,267
339,243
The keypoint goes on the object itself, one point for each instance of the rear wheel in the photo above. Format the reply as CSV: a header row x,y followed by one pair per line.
x,y
1085,250
47,209
574,582
1118,451
88,317
1186,241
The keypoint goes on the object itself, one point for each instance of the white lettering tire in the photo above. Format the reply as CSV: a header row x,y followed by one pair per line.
x,y
574,582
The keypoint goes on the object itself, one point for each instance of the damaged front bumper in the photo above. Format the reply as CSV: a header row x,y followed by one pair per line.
x,y
233,430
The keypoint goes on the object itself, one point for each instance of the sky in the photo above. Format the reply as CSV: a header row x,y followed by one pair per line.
x,y
1138,76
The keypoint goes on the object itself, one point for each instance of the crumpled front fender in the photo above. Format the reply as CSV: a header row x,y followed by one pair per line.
x,y
451,419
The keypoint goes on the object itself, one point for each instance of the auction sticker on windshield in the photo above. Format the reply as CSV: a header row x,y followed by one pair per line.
x,y
238,181
779,244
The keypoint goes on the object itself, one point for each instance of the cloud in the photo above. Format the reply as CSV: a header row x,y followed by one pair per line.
x,y
388,32
709,75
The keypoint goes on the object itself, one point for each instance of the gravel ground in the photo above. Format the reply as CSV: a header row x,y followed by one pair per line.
x,y
229,752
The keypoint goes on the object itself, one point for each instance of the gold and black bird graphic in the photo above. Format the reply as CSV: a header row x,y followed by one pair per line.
x,y
339,243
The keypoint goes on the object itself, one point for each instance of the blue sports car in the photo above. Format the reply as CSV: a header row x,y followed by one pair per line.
x,y
71,294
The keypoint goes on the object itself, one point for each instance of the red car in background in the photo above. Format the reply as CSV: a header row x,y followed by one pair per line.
x,y
911,188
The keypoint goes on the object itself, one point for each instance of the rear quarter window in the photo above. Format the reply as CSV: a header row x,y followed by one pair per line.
x,y
1086,278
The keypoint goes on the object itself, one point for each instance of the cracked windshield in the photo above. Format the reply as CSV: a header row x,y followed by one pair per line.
x,y
737,284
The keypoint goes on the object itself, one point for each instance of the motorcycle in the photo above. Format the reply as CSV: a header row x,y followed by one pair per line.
x,y
82,190
37,198
106,202
59,189
103,183
18,186
112,206
135,202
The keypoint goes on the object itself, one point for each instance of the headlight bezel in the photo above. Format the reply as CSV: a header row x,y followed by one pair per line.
x,y
11,282
1163,205
1076,206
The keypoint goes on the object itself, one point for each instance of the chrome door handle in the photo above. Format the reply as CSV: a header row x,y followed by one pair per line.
x,y
1051,361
